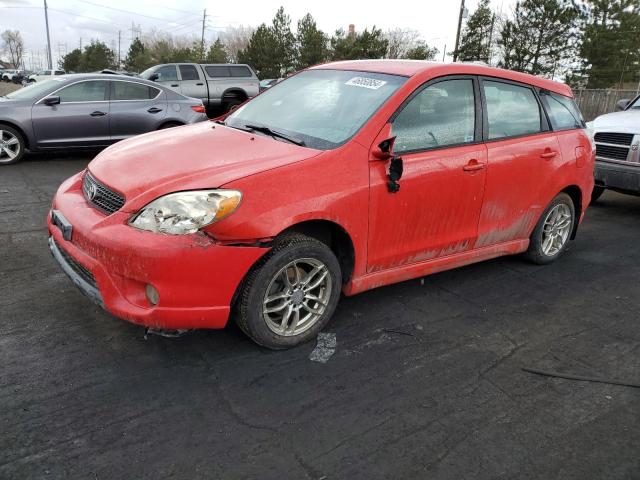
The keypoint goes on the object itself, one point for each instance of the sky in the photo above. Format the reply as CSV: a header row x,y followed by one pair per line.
x,y
75,21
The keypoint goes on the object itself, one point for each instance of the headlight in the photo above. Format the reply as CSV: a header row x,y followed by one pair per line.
x,y
182,213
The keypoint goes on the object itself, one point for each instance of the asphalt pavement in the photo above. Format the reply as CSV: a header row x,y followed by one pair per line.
x,y
425,380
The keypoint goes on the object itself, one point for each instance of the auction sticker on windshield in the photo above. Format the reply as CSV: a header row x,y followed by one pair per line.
x,y
365,82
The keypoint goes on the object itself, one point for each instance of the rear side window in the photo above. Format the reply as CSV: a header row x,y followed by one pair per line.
x,y
189,72
512,110
217,70
563,113
240,71
59,72
133,91
91,91
168,73
442,114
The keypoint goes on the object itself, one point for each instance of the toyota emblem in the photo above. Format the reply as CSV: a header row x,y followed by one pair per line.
x,y
634,147
92,191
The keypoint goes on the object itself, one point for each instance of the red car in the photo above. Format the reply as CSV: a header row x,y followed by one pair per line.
x,y
345,177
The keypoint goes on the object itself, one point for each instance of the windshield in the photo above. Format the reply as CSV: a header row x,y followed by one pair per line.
x,y
34,91
322,108
147,73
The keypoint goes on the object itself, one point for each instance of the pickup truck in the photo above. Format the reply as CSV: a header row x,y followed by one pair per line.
x,y
617,138
217,85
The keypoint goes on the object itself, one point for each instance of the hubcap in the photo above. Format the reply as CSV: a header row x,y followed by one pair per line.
x,y
297,297
9,146
556,230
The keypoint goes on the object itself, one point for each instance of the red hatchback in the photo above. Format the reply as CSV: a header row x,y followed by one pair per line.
x,y
340,179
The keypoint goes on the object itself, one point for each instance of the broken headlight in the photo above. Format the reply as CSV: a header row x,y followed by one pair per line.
x,y
182,213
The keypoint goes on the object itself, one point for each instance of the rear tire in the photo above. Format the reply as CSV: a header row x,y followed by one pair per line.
x,y
597,193
290,294
12,145
232,103
553,231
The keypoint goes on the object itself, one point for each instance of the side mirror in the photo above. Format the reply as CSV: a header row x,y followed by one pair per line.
x,y
154,76
51,101
623,104
384,150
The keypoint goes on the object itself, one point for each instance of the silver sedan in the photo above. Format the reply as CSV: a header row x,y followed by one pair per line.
x,y
88,111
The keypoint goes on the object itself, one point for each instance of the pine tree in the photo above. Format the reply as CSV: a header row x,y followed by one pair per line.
x,y
217,53
540,37
97,56
311,43
422,51
72,61
137,59
284,55
261,52
475,44
610,46
368,44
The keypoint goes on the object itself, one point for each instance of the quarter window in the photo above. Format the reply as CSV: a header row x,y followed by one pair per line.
x,y
91,91
189,72
168,73
564,114
512,110
133,91
442,114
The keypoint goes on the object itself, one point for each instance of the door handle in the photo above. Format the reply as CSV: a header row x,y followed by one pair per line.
x,y
97,113
473,166
548,154
175,85
199,84
154,110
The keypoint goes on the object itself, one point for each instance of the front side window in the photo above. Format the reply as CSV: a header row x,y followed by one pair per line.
x,y
91,91
563,113
322,108
512,110
133,91
168,73
189,72
442,114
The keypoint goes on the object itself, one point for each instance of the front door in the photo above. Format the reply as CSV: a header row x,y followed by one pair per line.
x,y
435,213
81,118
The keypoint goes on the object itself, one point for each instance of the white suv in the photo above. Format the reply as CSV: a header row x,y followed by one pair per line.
x,y
45,75
617,137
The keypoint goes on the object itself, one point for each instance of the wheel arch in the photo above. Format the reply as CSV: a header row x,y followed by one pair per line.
x,y
234,92
27,139
575,192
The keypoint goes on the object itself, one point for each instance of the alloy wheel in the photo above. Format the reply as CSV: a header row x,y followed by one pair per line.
x,y
556,229
9,146
297,297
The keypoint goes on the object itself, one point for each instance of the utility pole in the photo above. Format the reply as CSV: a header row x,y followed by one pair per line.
x,y
46,21
119,33
455,52
204,19
490,45
444,52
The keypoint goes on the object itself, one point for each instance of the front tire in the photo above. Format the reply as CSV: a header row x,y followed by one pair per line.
x,y
12,145
291,294
553,231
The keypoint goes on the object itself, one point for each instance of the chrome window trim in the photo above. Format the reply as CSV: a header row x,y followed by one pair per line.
x,y
102,80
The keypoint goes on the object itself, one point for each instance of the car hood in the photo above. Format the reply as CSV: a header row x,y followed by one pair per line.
x,y
623,122
204,155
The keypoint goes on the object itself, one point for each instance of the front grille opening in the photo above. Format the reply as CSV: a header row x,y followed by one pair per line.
x,y
615,153
100,196
614,138
77,267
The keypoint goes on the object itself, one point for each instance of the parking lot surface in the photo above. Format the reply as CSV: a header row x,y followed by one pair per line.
x,y
425,381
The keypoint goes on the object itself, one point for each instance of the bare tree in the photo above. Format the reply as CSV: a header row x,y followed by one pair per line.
x,y
401,41
236,39
13,46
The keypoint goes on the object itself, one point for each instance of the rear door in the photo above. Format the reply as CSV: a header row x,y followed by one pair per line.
x,y
135,108
192,82
81,118
523,155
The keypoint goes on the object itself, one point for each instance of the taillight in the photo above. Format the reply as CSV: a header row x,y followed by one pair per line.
x,y
198,108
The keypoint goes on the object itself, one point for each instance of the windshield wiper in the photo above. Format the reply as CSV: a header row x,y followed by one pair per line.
x,y
275,133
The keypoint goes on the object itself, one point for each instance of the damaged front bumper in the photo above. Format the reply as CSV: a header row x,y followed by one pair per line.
x,y
113,264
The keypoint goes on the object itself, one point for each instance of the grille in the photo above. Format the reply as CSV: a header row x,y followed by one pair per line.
x,y
615,153
81,270
101,196
615,138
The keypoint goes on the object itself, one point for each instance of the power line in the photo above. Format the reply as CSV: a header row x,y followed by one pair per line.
x,y
127,11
